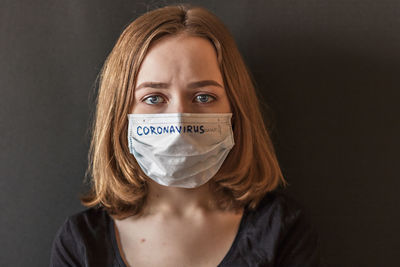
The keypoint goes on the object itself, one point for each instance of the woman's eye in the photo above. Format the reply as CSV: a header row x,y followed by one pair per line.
x,y
204,98
153,100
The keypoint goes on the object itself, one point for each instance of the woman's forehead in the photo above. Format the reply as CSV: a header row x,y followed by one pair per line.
x,y
180,57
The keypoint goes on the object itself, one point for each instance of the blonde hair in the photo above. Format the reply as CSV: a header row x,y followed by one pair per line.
x,y
116,181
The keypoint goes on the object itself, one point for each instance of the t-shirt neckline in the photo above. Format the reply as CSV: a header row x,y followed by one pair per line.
x,y
111,234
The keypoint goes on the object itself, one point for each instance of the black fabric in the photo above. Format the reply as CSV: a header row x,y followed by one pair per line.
x,y
277,233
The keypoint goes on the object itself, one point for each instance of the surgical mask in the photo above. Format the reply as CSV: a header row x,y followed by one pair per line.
x,y
180,149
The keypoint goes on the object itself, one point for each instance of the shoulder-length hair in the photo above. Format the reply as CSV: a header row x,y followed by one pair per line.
x,y
116,181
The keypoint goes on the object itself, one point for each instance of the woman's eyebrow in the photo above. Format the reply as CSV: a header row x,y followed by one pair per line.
x,y
203,83
191,85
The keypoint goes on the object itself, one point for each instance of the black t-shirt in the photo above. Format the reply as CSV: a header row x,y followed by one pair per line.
x,y
277,233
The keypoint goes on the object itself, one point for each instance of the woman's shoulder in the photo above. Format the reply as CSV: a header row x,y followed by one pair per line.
x,y
281,213
94,217
88,224
282,224
81,236
278,204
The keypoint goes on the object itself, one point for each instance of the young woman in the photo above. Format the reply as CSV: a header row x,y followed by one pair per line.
x,y
183,172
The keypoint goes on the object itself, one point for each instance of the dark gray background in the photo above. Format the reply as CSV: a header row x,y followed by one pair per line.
x,y
328,70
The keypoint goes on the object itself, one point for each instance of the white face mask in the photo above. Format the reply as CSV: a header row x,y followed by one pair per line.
x,y
180,149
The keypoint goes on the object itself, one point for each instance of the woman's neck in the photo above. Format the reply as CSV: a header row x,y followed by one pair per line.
x,y
178,202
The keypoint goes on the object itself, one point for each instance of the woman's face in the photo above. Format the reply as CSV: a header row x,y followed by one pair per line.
x,y
180,74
